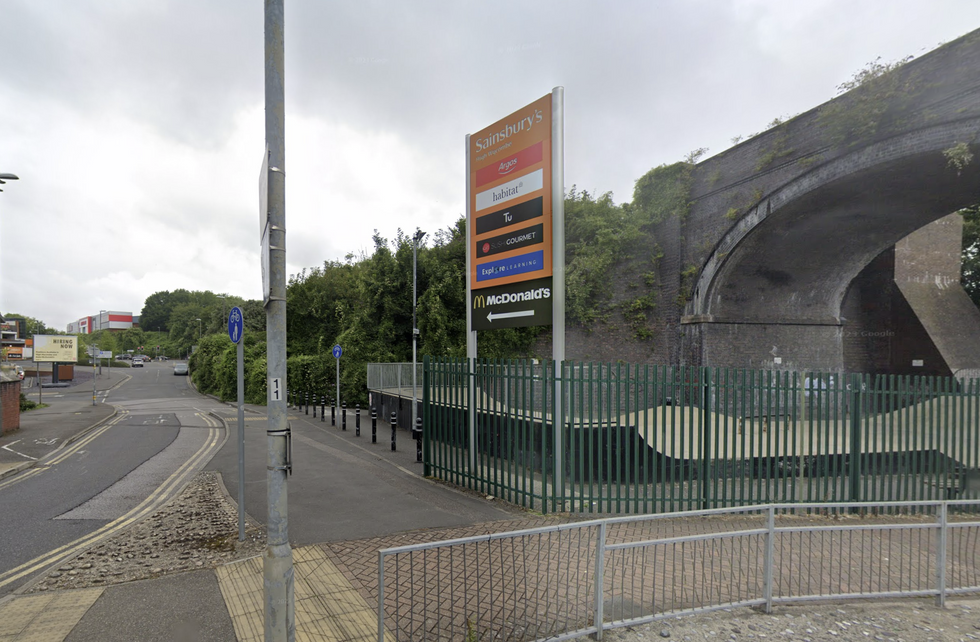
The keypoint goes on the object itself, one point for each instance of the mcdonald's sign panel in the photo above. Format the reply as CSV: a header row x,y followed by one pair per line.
x,y
515,305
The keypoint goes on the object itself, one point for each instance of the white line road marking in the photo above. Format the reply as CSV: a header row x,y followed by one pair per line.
x,y
9,449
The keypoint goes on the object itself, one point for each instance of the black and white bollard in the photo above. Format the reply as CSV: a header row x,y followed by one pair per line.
x,y
374,425
394,425
306,402
323,408
343,416
417,435
333,412
357,420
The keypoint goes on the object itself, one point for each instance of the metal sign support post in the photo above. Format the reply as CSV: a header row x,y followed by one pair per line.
x,y
558,271
278,579
95,376
337,352
241,441
470,332
236,332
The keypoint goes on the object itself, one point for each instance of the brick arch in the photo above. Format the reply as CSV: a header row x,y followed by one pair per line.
x,y
792,257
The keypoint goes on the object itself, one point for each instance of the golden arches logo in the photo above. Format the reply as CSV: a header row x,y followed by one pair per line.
x,y
479,301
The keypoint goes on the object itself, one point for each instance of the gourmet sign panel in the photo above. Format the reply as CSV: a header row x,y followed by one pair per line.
x,y
510,218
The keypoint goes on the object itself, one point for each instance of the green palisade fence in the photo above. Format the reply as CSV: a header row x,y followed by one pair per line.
x,y
645,439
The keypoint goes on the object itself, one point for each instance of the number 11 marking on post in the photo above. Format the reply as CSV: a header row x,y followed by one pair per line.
x,y
274,389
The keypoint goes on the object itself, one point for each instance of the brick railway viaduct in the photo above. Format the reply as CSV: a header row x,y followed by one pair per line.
x,y
829,242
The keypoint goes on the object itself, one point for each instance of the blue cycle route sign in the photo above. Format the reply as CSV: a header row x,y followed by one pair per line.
x,y
337,351
236,324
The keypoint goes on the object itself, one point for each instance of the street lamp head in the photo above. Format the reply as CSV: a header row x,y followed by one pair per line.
x,y
419,235
4,177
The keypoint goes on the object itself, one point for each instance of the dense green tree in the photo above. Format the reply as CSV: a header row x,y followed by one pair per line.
x,y
156,310
598,235
315,300
442,301
131,339
28,326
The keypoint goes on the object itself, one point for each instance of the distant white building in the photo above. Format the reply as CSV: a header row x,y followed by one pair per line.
x,y
112,320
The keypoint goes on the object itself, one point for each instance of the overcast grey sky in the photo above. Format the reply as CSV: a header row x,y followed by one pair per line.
x,y
136,126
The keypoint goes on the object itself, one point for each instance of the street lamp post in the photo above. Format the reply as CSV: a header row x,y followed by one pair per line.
x,y
4,177
95,377
198,335
419,235
109,361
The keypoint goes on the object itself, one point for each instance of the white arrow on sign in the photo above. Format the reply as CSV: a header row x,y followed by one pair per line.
x,y
509,315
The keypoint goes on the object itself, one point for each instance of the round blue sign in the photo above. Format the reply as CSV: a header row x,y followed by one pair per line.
x,y
236,324
337,351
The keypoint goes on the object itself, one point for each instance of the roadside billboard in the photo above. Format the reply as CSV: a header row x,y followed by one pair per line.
x,y
55,348
509,217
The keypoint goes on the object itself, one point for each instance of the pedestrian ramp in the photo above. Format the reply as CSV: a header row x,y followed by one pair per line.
x,y
328,608
46,617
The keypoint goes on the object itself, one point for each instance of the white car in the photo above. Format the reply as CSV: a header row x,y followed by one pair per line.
x,y
137,363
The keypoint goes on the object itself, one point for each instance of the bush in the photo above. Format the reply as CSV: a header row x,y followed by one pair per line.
x,y
26,404
214,370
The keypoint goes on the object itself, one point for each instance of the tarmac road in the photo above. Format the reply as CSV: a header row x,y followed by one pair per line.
x,y
147,426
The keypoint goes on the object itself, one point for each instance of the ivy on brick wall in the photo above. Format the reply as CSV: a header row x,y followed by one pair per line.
x,y
876,94
664,192
598,235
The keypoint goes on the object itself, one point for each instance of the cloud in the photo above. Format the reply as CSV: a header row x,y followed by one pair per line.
x,y
138,128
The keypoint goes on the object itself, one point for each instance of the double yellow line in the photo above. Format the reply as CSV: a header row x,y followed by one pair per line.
x,y
156,499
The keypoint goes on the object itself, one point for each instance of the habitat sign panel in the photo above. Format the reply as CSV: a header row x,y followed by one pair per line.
x,y
512,306
55,348
509,218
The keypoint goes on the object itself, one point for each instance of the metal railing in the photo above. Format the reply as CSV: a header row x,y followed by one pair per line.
x,y
641,438
393,378
569,581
